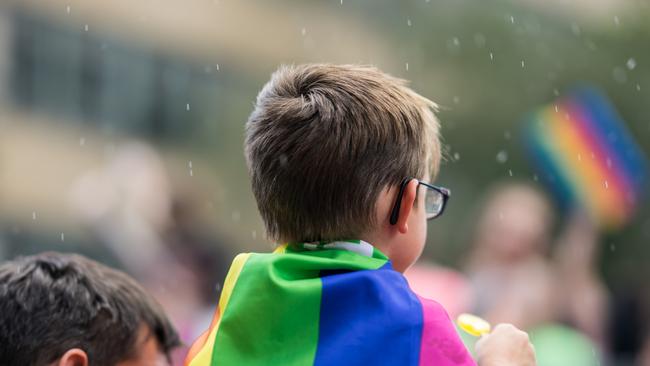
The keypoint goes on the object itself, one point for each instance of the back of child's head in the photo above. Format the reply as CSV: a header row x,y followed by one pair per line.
x,y
51,303
325,140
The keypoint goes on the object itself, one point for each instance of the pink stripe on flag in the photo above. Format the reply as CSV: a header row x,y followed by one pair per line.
x,y
441,344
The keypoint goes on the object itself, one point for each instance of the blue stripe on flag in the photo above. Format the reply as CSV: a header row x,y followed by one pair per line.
x,y
368,317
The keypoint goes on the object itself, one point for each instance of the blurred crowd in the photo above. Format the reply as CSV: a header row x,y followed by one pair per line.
x,y
524,266
541,274
94,98
153,231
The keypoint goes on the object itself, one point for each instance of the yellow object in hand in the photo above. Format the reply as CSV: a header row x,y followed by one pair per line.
x,y
473,325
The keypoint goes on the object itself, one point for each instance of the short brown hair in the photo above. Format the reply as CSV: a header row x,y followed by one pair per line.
x,y
51,303
324,140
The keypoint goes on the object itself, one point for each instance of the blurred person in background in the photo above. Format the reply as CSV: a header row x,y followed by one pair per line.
x,y
559,298
629,326
67,310
582,297
131,207
643,358
451,288
510,274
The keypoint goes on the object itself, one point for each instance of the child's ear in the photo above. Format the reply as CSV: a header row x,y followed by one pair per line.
x,y
408,200
73,357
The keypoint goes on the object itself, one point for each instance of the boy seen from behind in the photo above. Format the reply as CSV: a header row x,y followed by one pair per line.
x,y
340,159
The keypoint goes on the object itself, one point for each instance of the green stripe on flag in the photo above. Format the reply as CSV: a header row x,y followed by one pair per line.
x,y
264,315
276,302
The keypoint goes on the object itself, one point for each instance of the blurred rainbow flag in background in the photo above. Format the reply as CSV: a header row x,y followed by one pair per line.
x,y
587,157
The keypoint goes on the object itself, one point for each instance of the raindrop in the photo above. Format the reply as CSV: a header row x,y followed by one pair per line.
x,y
631,63
535,177
502,156
606,185
62,237
407,66
456,99
86,27
556,109
456,156
236,216
616,20
33,215
556,92
217,65
551,76
612,247
512,19
612,136
522,64
638,87
491,56
189,164
479,40
217,286
591,45
579,157
187,106
82,141
303,31
67,9
408,22
510,172
455,41
619,75
575,28
646,228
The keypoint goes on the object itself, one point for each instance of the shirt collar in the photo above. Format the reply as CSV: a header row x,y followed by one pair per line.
x,y
357,246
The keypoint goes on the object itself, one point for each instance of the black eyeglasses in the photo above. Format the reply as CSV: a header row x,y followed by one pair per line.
x,y
434,201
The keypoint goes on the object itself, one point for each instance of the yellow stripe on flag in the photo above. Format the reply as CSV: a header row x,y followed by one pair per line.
x,y
204,356
281,249
587,173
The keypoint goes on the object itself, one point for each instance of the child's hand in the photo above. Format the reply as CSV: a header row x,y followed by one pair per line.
x,y
505,346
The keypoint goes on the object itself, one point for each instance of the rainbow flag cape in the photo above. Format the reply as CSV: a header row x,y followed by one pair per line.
x,y
587,157
337,303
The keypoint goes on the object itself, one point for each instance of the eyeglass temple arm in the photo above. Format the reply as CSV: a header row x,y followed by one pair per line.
x,y
394,215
